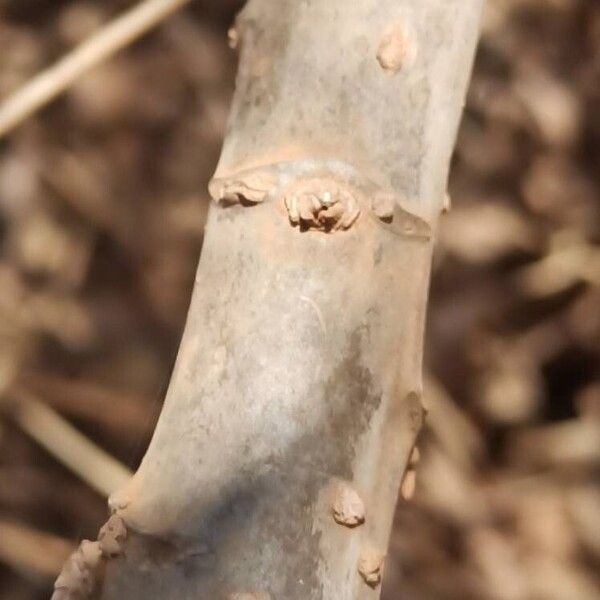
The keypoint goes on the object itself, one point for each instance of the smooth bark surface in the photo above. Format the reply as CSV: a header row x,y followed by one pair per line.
x,y
295,401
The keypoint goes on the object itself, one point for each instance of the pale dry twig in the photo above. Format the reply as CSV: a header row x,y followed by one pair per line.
x,y
115,36
92,464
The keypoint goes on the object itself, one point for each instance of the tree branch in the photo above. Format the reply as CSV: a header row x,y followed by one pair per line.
x,y
294,405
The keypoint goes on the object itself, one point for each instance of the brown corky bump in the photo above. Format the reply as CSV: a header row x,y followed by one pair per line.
x,y
347,506
111,537
370,566
397,49
79,576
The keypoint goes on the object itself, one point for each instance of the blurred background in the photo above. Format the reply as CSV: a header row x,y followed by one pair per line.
x,y
102,207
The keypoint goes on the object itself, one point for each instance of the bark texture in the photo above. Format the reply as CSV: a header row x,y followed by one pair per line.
x,y
295,401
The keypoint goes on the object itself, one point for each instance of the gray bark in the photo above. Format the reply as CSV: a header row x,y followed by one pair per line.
x,y
295,401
